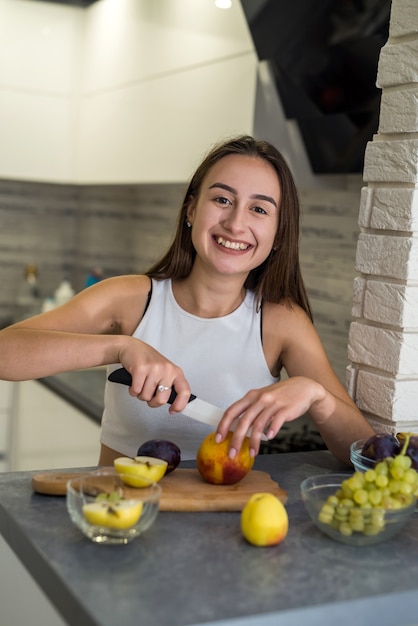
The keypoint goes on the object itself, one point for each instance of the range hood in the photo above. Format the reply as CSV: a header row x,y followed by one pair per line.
x,y
323,56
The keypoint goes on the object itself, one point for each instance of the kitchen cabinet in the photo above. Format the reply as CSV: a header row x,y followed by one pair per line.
x,y
21,599
7,390
48,433
38,430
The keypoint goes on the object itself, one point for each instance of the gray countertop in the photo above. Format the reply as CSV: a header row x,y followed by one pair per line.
x,y
196,568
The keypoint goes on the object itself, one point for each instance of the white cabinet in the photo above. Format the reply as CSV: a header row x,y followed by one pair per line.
x,y
49,433
7,390
21,599
46,433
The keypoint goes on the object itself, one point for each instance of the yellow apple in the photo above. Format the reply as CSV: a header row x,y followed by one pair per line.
x,y
118,515
214,464
264,520
141,470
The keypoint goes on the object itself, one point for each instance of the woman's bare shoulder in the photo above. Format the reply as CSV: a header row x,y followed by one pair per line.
x,y
125,297
129,283
284,316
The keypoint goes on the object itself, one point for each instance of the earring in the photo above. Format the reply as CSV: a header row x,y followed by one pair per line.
x,y
188,224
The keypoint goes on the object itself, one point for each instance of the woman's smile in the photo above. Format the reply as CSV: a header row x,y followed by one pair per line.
x,y
232,245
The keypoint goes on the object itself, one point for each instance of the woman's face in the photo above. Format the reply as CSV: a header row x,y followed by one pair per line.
x,y
235,216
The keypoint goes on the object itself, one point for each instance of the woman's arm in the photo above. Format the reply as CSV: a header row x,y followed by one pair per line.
x,y
94,328
289,337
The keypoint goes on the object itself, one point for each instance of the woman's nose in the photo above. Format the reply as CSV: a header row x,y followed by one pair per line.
x,y
235,220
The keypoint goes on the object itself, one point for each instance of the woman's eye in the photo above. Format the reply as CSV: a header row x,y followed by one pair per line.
x,y
259,209
222,200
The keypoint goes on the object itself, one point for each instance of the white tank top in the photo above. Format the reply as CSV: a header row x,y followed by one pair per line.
x,y
222,358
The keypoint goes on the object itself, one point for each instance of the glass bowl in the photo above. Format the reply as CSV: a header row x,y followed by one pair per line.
x,y
109,511
361,463
316,489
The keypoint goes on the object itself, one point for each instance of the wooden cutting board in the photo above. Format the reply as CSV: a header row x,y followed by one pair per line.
x,y
184,490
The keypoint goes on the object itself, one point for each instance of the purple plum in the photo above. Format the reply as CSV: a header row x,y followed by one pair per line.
x,y
381,446
162,449
412,451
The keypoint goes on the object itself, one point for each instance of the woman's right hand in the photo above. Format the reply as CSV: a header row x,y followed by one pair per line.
x,y
150,369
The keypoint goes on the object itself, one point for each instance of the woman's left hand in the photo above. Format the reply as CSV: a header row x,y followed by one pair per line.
x,y
265,410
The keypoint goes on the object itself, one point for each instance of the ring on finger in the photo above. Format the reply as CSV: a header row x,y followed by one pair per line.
x,y
162,388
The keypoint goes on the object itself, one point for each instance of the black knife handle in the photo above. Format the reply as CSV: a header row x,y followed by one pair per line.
x,y
123,377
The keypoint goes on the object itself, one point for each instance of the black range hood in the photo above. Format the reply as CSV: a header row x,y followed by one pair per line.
x,y
324,55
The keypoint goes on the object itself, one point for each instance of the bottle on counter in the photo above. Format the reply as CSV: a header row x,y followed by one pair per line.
x,y
63,293
93,277
28,300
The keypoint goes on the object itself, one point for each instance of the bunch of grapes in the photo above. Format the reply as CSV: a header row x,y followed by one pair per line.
x,y
360,503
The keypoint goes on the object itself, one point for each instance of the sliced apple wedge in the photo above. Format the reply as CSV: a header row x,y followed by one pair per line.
x,y
119,515
139,471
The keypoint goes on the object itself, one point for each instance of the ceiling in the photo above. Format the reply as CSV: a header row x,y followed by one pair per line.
x,y
75,3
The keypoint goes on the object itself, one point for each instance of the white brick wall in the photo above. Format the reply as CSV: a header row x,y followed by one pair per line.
x,y
389,209
383,341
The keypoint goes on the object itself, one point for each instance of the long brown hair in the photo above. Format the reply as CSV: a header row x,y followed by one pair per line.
x,y
278,278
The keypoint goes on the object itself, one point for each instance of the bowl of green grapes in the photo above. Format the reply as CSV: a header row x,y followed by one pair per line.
x,y
363,508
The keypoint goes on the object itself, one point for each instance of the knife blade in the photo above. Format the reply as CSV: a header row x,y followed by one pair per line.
x,y
196,408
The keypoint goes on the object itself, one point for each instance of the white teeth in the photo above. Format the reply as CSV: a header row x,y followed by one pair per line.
x,y
231,244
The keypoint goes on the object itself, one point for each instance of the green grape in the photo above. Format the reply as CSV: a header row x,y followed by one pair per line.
x,y
345,529
361,496
382,480
357,520
333,500
381,468
347,503
406,488
402,461
356,481
396,472
406,499
411,476
375,497
394,486
325,518
370,476
341,513
328,509
377,516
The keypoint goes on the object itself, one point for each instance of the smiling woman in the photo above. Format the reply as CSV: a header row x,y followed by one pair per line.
x,y
231,221
222,312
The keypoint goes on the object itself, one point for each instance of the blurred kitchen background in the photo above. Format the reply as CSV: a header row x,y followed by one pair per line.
x,y
107,106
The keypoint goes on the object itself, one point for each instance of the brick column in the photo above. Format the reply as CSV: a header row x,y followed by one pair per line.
x,y
383,341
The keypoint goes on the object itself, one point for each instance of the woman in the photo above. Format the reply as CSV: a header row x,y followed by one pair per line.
x,y
219,315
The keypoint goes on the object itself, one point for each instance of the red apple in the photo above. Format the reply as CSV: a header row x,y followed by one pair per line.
x,y
214,464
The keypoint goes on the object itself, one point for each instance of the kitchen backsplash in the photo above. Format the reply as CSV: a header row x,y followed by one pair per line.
x,y
68,230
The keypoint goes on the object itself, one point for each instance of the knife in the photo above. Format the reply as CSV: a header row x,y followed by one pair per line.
x,y
197,409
